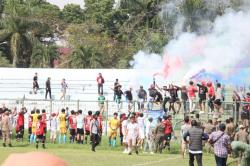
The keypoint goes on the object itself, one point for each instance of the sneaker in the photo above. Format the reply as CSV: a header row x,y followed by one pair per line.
x,y
202,112
152,153
125,151
44,147
137,152
10,145
129,153
4,145
36,146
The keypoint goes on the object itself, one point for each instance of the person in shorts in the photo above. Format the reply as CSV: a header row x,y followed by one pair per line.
x,y
62,126
80,126
72,126
113,127
87,121
53,127
132,134
202,91
40,132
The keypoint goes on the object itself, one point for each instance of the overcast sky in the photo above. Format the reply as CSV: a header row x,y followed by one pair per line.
x,y
61,3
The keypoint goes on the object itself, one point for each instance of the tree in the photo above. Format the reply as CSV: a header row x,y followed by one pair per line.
x,y
73,14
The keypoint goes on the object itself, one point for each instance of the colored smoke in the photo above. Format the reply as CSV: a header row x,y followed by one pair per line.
x,y
221,53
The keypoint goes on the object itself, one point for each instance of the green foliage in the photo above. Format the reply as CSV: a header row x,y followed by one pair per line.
x,y
73,14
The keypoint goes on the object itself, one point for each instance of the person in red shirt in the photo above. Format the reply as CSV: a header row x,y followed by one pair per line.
x,y
72,126
191,96
211,95
44,119
40,132
20,124
87,121
168,130
100,82
248,101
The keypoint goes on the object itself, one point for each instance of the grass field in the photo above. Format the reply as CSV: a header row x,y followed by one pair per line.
x,y
81,155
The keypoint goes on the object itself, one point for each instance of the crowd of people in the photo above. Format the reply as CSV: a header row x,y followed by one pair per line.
x,y
135,130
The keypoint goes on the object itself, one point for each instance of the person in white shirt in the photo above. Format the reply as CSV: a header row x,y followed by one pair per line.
x,y
132,134
141,124
79,126
218,93
149,136
53,127
125,138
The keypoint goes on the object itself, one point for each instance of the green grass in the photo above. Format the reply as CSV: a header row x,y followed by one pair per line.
x,y
81,155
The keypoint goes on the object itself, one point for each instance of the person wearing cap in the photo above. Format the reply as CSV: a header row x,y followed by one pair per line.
x,y
221,141
149,136
132,134
243,137
5,125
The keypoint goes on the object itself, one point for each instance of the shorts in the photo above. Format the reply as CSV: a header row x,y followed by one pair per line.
x,y
202,100
52,134
141,133
80,131
112,133
30,130
72,131
167,137
40,137
63,130
132,141
87,132
45,130
33,129
125,140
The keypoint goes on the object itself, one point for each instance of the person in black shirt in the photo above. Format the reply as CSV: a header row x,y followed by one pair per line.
x,y
48,88
116,84
173,91
129,98
118,96
184,98
35,84
202,95
142,97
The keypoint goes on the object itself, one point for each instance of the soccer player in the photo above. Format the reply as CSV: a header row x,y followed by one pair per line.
x,y
53,127
63,130
20,124
141,124
168,130
132,135
34,126
113,126
72,126
40,126
124,129
30,124
44,119
87,121
80,126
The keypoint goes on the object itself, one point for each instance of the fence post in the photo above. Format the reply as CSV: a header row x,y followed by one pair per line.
x,y
78,105
134,105
50,105
106,119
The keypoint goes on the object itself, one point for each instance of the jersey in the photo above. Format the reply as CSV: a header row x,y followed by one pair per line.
x,y
40,128
87,121
99,118
124,126
62,120
44,119
72,122
114,124
80,121
133,130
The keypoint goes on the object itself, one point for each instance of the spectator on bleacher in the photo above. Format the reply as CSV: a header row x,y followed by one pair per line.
x,y
129,98
202,95
218,93
100,82
184,98
48,88
191,96
63,89
115,89
35,83
211,95
118,97
142,98
101,100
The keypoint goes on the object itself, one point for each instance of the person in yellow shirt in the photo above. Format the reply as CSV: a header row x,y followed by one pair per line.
x,y
63,129
113,127
34,126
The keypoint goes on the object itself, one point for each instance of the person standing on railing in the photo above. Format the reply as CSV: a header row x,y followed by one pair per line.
x,y
35,83
115,89
184,98
48,88
101,102
129,98
211,95
142,98
237,100
202,95
100,82
191,96
63,89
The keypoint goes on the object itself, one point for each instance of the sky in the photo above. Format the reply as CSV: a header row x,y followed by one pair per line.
x,y
61,3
